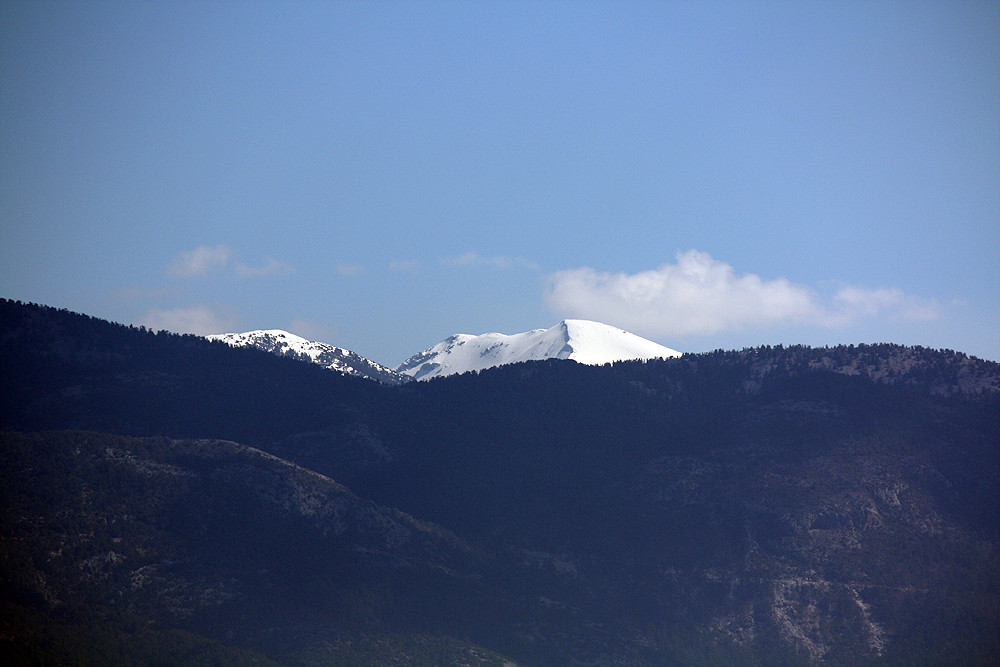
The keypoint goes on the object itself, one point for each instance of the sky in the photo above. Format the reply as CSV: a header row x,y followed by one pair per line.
x,y
382,175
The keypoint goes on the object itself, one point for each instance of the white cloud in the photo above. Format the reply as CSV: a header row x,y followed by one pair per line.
x,y
398,265
200,261
699,295
350,269
206,259
856,302
135,293
474,259
197,319
270,267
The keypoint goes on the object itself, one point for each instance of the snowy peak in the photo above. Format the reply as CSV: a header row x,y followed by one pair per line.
x,y
287,344
595,343
581,340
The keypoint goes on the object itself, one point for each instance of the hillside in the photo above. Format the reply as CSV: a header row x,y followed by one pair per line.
x,y
211,538
832,506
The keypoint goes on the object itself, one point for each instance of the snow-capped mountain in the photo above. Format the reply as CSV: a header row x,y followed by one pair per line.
x,y
286,344
581,340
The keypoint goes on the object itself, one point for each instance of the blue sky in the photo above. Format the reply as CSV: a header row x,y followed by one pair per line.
x,y
382,175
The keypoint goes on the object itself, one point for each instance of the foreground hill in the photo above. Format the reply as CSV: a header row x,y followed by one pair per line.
x,y
216,539
832,506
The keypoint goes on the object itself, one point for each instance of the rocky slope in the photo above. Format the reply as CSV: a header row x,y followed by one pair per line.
x,y
329,356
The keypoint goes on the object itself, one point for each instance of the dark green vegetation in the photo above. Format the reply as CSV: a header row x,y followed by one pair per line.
x,y
167,500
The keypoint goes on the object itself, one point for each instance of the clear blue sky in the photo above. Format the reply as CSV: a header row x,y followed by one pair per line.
x,y
382,175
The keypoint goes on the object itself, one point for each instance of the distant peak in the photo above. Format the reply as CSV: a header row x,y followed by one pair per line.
x,y
583,341
285,344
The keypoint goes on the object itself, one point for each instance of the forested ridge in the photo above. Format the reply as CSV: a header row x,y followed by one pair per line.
x,y
774,505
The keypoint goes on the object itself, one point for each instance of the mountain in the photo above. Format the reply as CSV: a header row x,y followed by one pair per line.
x,y
582,341
173,500
286,344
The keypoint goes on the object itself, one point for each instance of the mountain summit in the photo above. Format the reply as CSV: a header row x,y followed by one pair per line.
x,y
329,356
580,340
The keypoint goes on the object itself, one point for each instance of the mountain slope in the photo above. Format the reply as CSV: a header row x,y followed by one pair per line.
x,y
329,356
786,505
210,537
582,341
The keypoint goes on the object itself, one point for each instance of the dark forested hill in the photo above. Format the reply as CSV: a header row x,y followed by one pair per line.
x,y
61,369
765,506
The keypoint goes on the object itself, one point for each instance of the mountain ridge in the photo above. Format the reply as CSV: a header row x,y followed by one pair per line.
x,y
285,344
583,341
765,506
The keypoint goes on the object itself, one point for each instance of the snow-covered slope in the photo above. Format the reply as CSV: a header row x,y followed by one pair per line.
x,y
581,340
285,344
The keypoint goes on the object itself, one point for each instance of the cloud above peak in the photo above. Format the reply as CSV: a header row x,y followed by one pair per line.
x,y
200,319
856,302
200,261
204,260
270,266
699,295
474,259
